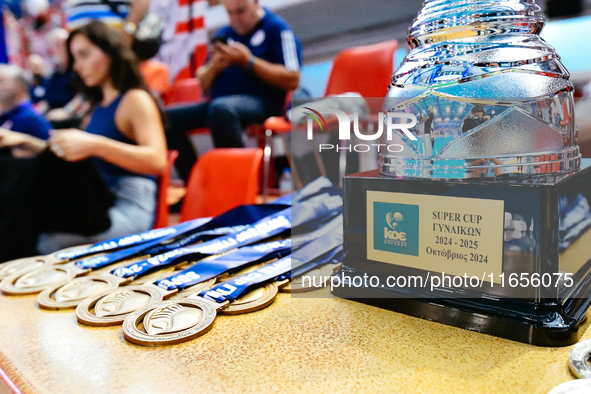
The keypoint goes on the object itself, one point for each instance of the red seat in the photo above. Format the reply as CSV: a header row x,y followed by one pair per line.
x,y
162,211
220,180
183,91
366,70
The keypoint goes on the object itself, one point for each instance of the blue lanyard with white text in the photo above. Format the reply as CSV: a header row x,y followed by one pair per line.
x,y
245,256
126,241
273,225
191,232
270,226
321,251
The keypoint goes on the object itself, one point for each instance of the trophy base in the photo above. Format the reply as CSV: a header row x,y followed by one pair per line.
x,y
525,231
462,313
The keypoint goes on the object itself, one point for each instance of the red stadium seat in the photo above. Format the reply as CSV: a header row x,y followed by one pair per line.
x,y
222,179
350,73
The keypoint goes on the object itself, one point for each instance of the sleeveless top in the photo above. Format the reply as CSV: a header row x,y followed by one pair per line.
x,y
102,122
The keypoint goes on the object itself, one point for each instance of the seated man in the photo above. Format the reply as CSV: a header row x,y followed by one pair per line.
x,y
57,90
16,110
254,62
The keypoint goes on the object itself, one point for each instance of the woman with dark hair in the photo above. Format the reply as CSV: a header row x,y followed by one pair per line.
x,y
124,134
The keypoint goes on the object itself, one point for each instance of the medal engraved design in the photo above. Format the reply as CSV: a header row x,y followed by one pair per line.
x,y
34,281
170,322
579,360
111,307
20,265
119,303
171,318
26,264
69,295
252,301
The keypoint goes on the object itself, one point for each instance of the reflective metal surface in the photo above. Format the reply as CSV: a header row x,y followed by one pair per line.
x,y
491,97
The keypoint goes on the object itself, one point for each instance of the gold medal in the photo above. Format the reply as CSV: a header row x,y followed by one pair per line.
x,y
35,280
30,263
27,263
180,320
252,301
170,322
112,306
51,277
68,293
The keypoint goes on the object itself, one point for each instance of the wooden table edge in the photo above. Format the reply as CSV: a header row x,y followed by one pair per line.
x,y
11,379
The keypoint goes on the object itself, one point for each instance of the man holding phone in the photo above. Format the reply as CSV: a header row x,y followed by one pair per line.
x,y
252,65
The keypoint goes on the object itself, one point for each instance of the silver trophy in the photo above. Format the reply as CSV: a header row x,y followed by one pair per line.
x,y
491,97
489,183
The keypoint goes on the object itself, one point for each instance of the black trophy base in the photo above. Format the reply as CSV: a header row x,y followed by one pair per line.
x,y
533,242
541,331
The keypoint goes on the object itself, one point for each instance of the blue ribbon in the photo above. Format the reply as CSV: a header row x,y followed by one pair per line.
x,y
316,210
248,255
313,210
270,226
318,252
191,232
335,225
128,240
233,216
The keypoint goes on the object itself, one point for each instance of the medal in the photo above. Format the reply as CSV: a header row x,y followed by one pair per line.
x,y
73,253
62,295
312,211
29,263
63,266
50,276
110,307
579,360
175,321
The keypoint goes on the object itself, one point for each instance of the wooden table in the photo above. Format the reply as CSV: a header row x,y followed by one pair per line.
x,y
296,345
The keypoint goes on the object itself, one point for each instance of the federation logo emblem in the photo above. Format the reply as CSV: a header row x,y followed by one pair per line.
x,y
393,218
396,228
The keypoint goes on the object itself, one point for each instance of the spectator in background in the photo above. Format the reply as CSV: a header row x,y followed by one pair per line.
x,y
17,112
35,67
57,90
253,63
124,15
155,73
475,119
124,137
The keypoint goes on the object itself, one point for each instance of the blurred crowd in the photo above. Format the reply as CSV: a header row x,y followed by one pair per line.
x,y
91,92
